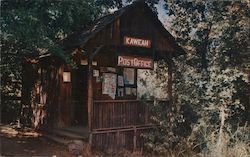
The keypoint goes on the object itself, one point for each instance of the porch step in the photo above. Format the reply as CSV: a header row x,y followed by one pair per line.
x,y
69,135
81,131
57,139
65,135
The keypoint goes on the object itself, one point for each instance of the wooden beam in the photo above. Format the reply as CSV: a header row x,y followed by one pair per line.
x,y
120,101
125,127
90,95
90,92
122,130
134,139
90,86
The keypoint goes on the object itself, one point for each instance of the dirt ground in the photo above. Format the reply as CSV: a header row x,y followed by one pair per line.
x,y
22,146
13,143
26,143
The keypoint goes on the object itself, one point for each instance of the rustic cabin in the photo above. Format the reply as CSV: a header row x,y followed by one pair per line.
x,y
97,91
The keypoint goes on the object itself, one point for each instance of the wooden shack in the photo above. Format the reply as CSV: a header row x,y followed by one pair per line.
x,y
100,90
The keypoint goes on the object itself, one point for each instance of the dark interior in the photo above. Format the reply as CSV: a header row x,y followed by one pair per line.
x,y
79,88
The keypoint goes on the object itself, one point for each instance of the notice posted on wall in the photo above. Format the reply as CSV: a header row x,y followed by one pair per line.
x,y
129,76
96,73
128,91
120,81
120,92
109,84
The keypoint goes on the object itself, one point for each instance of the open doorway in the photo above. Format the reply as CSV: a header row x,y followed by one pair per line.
x,y
79,99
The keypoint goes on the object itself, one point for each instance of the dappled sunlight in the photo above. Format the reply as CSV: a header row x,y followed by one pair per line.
x,y
10,131
152,83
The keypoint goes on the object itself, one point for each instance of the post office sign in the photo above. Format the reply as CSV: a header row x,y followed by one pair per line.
x,y
136,62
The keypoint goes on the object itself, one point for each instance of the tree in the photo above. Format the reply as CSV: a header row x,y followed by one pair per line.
x,y
215,35
218,41
32,28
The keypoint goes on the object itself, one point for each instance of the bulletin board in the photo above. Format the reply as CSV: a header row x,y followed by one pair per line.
x,y
115,83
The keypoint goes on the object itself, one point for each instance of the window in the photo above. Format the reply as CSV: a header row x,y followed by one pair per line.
x,y
66,77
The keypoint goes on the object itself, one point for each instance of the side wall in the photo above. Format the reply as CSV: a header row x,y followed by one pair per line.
x,y
46,99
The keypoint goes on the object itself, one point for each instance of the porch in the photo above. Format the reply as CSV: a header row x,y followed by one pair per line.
x,y
65,135
116,125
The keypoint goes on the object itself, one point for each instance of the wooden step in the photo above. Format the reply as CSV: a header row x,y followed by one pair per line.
x,y
69,135
79,131
57,139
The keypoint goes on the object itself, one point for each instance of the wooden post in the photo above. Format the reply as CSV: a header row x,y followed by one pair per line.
x,y
90,94
118,141
134,139
90,100
170,81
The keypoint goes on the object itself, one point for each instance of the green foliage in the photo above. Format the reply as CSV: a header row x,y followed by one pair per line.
x,y
37,25
209,77
30,28
112,4
164,139
213,87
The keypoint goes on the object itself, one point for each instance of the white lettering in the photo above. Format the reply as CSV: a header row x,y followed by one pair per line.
x,y
137,42
136,62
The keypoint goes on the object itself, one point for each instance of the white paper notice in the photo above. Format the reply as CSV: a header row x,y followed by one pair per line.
x,y
120,81
109,84
129,76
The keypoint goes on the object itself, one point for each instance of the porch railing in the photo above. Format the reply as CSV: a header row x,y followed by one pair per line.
x,y
120,113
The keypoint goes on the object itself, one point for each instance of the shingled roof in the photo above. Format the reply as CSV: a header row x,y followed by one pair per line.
x,y
80,38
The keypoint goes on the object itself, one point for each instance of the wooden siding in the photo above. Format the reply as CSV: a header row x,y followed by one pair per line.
x,y
65,99
119,140
119,124
48,98
140,26
40,94
119,113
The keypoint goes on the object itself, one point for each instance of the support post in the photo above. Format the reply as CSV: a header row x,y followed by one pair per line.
x,y
118,141
90,94
134,139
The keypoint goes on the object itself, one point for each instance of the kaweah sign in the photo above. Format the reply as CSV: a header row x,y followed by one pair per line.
x,y
135,62
131,41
